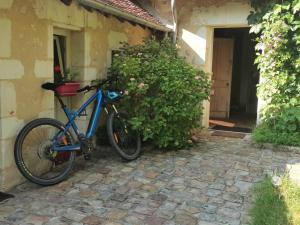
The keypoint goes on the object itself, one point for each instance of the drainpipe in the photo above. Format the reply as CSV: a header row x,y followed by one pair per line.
x,y
113,11
174,14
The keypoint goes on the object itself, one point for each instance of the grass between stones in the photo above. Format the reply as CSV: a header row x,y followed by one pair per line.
x,y
275,205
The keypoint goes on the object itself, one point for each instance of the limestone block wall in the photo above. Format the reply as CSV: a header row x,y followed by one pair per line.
x,y
196,20
26,61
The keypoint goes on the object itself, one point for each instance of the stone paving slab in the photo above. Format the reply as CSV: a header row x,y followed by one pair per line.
x,y
206,185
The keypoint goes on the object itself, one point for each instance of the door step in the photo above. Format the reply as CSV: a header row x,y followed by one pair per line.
x,y
232,129
228,134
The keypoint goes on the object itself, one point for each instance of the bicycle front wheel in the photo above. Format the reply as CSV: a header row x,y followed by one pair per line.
x,y
122,137
34,153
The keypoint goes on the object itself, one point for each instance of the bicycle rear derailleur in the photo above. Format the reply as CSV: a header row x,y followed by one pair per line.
x,y
86,146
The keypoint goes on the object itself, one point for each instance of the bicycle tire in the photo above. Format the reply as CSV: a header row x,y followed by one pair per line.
x,y
19,147
112,138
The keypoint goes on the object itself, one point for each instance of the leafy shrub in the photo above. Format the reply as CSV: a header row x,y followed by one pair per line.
x,y
263,134
286,120
164,93
282,128
102,137
278,57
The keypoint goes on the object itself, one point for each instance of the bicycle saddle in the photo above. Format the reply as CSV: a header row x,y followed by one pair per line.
x,y
50,86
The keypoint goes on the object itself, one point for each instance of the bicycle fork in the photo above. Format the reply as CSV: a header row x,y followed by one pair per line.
x,y
114,107
117,114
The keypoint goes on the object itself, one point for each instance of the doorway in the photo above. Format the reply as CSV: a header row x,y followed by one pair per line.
x,y
233,103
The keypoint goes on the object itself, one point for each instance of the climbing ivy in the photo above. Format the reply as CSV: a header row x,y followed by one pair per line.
x,y
261,7
277,24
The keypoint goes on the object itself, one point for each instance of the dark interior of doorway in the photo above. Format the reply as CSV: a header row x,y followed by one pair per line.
x,y
245,77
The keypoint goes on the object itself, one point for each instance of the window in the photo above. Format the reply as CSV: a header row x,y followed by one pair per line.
x,y
59,44
61,62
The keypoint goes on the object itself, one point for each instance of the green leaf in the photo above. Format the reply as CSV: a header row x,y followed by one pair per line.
x,y
163,91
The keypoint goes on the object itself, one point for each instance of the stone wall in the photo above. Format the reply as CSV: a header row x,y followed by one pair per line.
x,y
26,61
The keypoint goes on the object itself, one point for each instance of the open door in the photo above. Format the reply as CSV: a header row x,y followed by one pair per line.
x,y
221,78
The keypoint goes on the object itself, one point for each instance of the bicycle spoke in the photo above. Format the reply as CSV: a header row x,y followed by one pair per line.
x,y
38,156
123,137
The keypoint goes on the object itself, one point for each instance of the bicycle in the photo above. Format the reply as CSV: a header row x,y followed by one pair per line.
x,y
45,148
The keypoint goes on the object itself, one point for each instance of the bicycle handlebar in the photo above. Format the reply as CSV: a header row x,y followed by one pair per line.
x,y
86,88
91,87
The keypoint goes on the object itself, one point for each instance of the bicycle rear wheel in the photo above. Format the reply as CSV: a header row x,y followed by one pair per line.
x,y
122,137
35,157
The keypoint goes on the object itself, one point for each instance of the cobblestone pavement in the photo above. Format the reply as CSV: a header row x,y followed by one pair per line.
x,y
206,185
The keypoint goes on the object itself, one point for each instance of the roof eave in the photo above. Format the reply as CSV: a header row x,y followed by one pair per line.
x,y
116,12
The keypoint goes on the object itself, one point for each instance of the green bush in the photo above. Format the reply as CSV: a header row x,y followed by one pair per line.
x,y
102,137
282,128
286,120
277,24
263,134
164,93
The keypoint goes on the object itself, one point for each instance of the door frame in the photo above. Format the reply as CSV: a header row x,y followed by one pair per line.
x,y
210,35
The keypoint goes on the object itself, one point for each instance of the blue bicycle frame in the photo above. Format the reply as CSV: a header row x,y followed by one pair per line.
x,y
99,98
